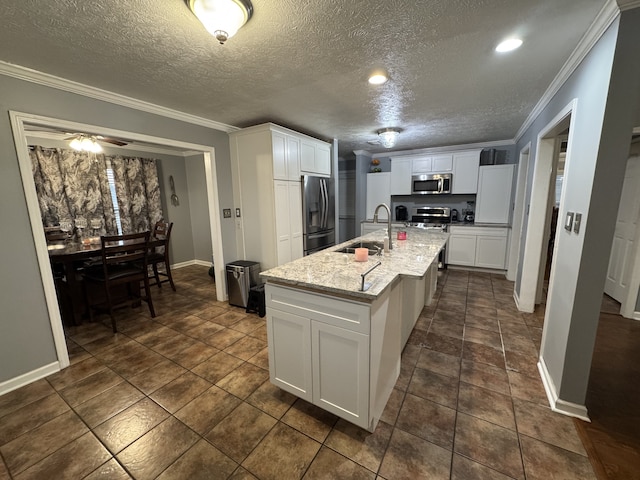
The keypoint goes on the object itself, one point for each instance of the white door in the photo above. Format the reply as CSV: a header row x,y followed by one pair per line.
x,y
289,341
621,261
378,191
295,216
341,372
283,221
491,251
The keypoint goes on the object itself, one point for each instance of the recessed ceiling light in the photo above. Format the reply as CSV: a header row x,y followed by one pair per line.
x,y
508,45
378,78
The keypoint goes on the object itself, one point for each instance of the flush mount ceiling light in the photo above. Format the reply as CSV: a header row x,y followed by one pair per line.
x,y
388,136
222,18
508,45
378,78
85,143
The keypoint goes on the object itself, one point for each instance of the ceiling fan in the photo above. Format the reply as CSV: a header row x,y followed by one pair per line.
x,y
79,136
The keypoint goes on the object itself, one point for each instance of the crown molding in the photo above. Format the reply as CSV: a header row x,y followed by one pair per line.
x,y
448,148
47,80
605,17
366,153
628,4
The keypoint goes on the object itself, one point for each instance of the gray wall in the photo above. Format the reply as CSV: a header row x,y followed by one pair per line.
x,y
26,341
199,209
606,88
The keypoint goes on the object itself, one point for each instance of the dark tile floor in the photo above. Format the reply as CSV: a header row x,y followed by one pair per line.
x,y
187,395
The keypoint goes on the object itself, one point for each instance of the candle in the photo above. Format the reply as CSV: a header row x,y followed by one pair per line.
x,y
402,235
362,254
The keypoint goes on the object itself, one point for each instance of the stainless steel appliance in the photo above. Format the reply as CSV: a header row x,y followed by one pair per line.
x,y
433,218
431,183
318,208
241,276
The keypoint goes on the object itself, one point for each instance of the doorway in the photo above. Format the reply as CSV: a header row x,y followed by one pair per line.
x,y
541,208
623,275
19,122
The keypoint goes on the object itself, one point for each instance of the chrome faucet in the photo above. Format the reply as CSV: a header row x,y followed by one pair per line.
x,y
375,220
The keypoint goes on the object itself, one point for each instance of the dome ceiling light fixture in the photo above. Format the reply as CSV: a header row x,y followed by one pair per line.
x,y
388,136
221,18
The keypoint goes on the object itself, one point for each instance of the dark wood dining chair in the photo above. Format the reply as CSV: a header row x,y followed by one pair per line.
x,y
124,262
160,254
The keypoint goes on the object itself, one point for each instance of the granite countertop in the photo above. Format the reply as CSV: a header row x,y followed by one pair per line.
x,y
331,272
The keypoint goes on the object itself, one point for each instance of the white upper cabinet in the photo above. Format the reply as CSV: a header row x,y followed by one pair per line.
x,y
422,165
442,163
286,156
315,157
493,202
401,176
465,172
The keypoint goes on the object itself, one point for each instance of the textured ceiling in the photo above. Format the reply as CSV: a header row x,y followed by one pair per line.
x,y
304,63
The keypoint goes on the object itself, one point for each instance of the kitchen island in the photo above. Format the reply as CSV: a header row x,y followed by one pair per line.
x,y
339,347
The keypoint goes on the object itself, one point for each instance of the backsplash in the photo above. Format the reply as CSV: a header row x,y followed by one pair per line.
x,y
459,202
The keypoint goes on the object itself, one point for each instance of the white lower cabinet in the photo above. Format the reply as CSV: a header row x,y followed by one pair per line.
x,y
491,251
484,247
340,371
319,350
290,362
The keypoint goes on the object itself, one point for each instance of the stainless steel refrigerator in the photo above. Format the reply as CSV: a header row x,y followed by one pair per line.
x,y
318,208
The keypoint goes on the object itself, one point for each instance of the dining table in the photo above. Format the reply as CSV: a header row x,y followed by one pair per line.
x,y
68,258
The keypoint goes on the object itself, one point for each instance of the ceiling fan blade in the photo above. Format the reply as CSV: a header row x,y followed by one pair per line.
x,y
113,141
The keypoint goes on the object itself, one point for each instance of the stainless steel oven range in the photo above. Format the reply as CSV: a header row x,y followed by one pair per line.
x,y
432,218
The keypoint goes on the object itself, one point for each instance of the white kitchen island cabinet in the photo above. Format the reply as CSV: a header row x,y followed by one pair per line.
x,y
336,346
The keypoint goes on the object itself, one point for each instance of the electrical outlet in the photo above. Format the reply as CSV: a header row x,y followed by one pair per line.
x,y
237,212
226,213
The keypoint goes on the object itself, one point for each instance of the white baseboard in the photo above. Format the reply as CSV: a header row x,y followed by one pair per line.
x,y
636,315
188,263
558,405
519,306
29,377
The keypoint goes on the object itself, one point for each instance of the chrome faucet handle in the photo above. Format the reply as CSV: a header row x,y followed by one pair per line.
x,y
379,251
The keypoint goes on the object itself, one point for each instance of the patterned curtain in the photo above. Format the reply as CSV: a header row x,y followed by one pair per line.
x,y
137,191
73,184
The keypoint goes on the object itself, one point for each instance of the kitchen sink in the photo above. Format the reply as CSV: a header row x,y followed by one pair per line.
x,y
371,246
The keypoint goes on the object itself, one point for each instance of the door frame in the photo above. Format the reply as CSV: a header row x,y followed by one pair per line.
x,y
519,211
628,306
18,122
545,159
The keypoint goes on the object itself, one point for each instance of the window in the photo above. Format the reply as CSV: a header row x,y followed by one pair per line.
x,y
114,198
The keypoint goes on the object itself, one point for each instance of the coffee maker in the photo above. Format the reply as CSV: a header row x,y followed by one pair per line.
x,y
454,215
402,214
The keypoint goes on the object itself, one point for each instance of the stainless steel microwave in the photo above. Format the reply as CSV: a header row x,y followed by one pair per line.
x,y
431,183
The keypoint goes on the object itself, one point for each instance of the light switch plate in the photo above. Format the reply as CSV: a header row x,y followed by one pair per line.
x,y
237,212
568,222
226,212
576,222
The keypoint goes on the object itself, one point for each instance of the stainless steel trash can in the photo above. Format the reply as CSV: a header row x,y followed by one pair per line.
x,y
241,276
